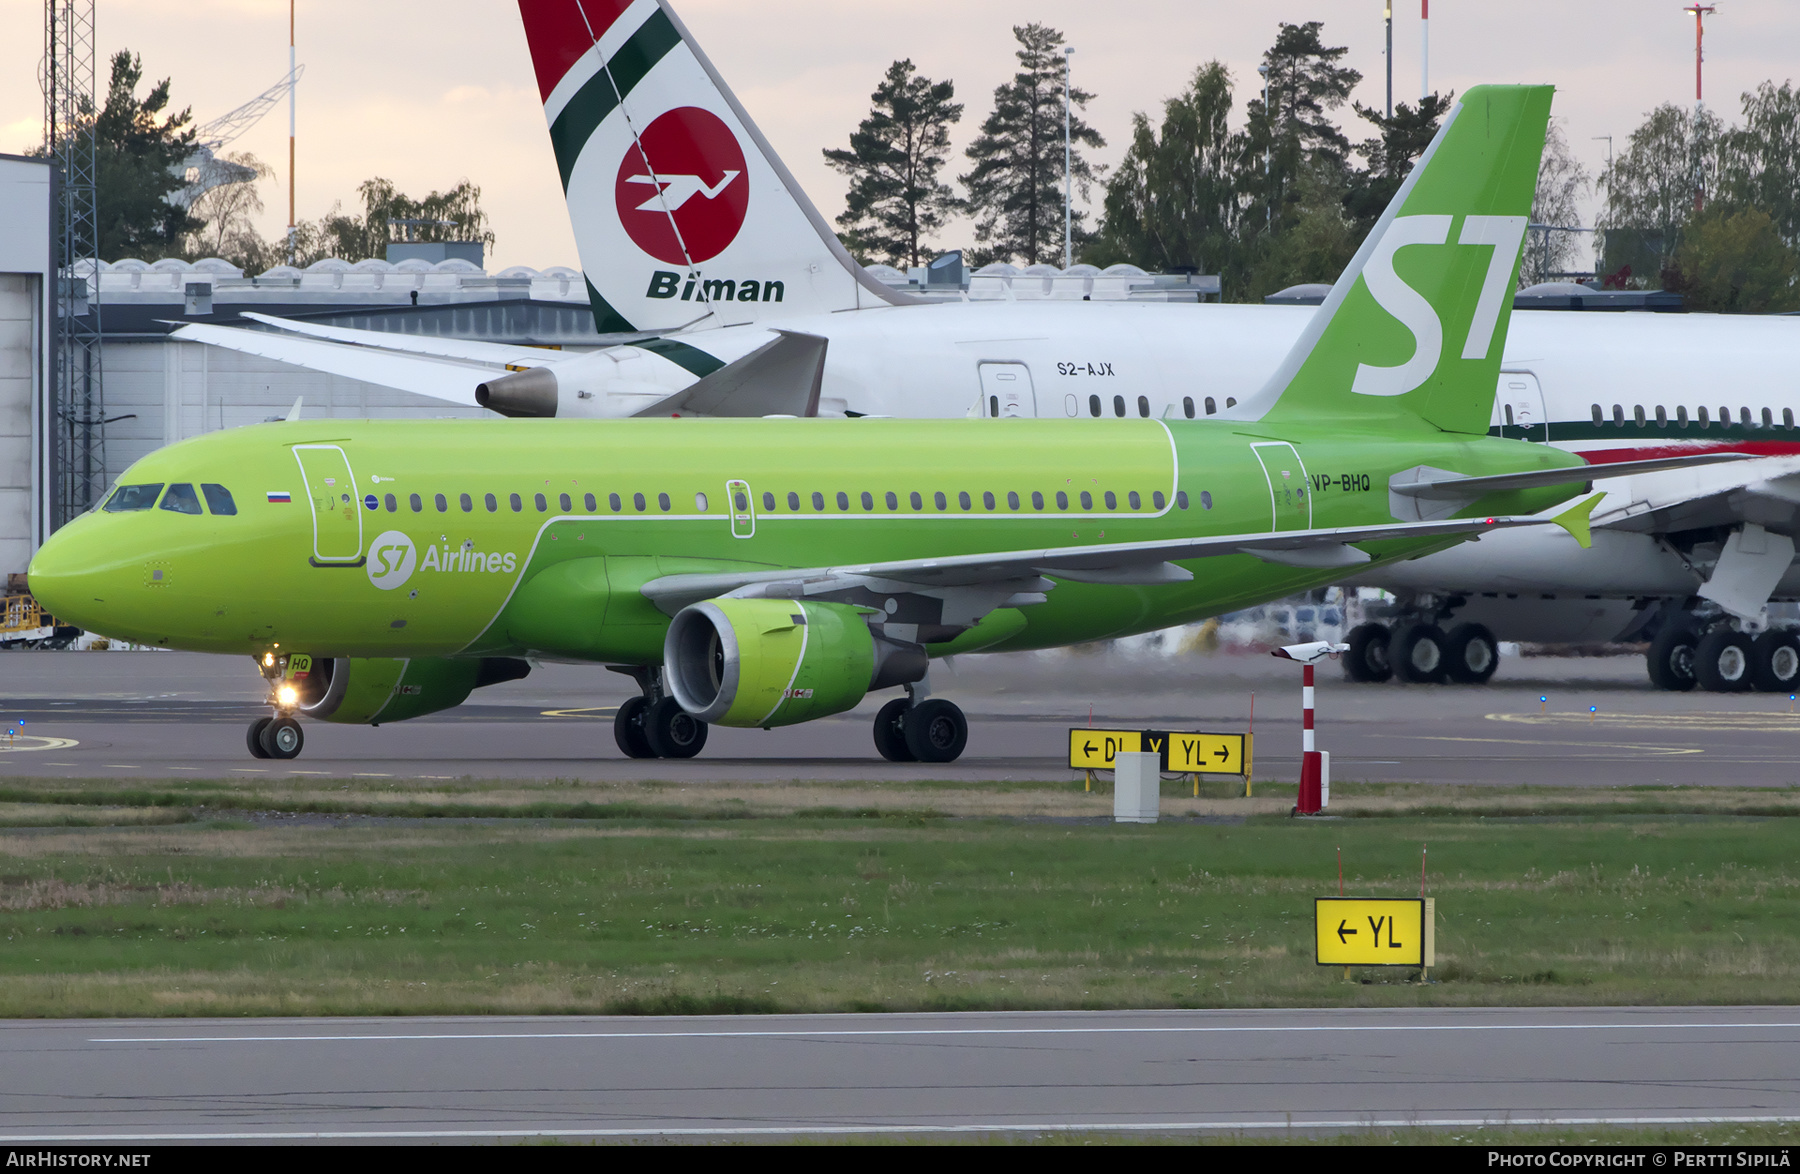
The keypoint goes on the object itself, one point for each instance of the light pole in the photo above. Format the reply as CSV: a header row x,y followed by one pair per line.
x,y
1424,49
1269,131
1387,16
1068,176
1701,12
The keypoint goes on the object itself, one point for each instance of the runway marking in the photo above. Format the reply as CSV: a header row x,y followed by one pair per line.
x,y
1285,1122
1666,751
843,1033
597,711
1716,720
13,745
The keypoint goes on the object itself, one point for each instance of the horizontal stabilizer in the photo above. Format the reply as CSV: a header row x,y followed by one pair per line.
x,y
1435,484
780,378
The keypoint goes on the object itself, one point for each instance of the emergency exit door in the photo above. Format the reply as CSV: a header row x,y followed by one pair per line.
x,y
1006,391
1519,408
331,494
1290,498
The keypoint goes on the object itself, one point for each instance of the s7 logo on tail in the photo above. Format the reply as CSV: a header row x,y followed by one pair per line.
x,y
1503,234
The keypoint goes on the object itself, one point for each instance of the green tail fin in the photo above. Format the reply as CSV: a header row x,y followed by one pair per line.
x,y
1417,322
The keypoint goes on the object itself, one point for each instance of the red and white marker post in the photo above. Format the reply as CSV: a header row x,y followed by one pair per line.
x,y
1311,799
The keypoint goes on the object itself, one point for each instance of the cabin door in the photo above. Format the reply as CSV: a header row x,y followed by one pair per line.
x,y
1290,503
1006,391
336,513
1519,408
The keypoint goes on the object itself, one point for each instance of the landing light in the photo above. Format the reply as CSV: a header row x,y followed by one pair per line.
x,y
287,694
268,660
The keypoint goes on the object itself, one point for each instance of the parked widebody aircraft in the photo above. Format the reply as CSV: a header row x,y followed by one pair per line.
x,y
696,237
758,573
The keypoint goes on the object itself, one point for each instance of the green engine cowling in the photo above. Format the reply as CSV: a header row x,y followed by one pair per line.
x,y
776,662
371,690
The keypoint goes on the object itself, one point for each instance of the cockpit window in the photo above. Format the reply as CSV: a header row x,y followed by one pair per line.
x,y
181,499
132,497
218,499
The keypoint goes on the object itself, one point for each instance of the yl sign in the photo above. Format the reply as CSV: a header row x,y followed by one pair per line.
x,y
1354,931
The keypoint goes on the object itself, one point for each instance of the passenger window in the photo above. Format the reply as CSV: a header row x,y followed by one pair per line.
x,y
1681,419
1094,406
1157,499
1704,418
393,507
1787,417
1144,406
918,503
1509,415
938,499
1637,414
218,500
1062,500
1231,401
637,501
492,503
768,500
1662,417
613,502
819,501
1012,500
127,498
468,504
567,505
1744,417
1724,417
1187,406
962,499
987,498
794,502
1599,417
868,500
843,500
1087,500
1136,501
1618,416
414,500
1205,500
1037,500
1181,501
181,499
1112,503
662,502
518,505
1768,418
700,503
1210,407
994,407
1119,406
442,503
893,500
543,505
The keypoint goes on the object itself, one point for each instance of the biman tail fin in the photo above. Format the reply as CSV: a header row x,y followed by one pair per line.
x,y
683,214
1417,323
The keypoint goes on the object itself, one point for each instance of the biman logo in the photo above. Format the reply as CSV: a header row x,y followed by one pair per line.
x,y
1503,234
682,191
391,560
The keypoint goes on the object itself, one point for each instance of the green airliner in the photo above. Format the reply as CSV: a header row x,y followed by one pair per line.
x,y
768,572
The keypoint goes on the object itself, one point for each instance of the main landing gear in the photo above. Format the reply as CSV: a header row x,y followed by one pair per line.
x,y
1685,653
933,730
1422,653
653,724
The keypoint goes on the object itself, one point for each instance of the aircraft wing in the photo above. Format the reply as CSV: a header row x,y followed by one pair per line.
x,y
440,377
1019,577
1761,490
461,350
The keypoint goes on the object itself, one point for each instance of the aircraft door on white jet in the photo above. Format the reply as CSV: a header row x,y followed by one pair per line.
x,y
1006,391
1519,408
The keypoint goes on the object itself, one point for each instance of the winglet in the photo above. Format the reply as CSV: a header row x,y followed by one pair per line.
x,y
1575,520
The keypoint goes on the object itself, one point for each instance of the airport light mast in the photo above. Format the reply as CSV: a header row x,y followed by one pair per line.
x,y
1068,176
1424,49
1701,12
291,242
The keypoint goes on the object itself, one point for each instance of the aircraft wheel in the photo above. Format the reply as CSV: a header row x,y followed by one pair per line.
x,y
890,731
628,729
1775,662
936,731
1671,658
1367,659
673,732
1470,654
282,738
253,737
1417,654
1722,662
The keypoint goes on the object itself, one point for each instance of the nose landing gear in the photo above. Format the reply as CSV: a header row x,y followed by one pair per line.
x,y
278,736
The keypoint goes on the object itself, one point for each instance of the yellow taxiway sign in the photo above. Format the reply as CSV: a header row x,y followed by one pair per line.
x,y
1181,753
1374,931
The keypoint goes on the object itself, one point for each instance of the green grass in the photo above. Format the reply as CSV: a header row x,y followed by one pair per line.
x,y
646,901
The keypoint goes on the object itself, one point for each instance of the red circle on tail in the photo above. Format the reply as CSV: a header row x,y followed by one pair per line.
x,y
687,165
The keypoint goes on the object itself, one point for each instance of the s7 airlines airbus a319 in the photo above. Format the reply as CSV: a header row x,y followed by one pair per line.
x,y
760,573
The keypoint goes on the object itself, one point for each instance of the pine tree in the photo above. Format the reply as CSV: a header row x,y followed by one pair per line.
x,y
1015,189
138,156
1295,133
895,199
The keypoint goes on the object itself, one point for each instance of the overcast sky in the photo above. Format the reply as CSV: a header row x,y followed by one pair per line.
x,y
428,94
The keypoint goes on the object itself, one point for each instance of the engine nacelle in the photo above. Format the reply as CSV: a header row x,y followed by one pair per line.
x,y
370,690
775,662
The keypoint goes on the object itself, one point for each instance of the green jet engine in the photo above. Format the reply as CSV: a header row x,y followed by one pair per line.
x,y
775,662
371,690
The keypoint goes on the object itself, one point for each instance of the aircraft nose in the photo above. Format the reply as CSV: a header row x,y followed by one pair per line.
x,y
63,576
